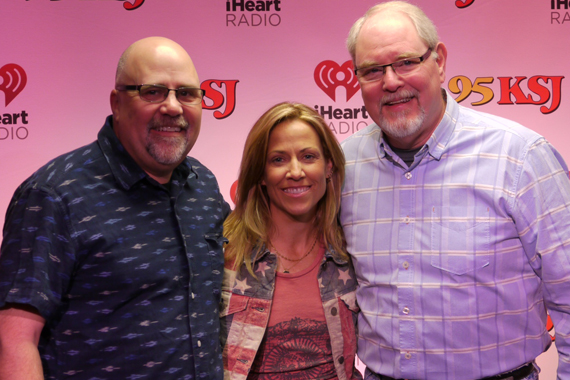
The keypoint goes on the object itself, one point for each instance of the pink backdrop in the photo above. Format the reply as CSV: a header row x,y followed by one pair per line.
x,y
58,58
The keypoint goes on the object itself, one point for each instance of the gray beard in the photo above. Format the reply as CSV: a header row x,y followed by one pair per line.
x,y
402,127
167,150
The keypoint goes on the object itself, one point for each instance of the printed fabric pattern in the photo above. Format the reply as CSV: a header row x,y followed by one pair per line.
x,y
126,273
246,306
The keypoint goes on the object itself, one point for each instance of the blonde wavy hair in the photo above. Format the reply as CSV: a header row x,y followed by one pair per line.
x,y
247,228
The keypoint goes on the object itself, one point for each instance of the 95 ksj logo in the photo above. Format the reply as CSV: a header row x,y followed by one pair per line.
x,y
536,90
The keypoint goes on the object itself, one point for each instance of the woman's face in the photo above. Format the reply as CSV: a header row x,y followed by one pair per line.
x,y
296,171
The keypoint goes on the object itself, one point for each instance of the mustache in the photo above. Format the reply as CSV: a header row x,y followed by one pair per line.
x,y
169,122
403,94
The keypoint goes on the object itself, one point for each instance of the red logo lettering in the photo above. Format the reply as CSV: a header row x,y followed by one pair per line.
x,y
14,80
217,98
327,78
233,192
463,3
536,88
131,7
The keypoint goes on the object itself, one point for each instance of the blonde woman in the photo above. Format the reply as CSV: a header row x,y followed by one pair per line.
x,y
288,294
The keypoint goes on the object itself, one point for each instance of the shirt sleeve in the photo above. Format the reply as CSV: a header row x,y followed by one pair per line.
x,y
37,256
541,210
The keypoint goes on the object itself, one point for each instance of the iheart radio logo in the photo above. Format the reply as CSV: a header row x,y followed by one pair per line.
x,y
329,75
14,80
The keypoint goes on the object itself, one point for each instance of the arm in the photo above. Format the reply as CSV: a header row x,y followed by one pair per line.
x,y
542,209
20,329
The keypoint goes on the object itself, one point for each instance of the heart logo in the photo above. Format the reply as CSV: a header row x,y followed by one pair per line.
x,y
14,80
327,78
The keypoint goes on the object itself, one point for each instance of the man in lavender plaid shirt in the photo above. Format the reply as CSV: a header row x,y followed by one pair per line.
x,y
458,222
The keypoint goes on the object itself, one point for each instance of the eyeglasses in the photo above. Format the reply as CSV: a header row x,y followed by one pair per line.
x,y
156,93
403,67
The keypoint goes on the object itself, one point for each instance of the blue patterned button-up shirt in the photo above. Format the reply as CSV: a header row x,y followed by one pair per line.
x,y
459,255
126,272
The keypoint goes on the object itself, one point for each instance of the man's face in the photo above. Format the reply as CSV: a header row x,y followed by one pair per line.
x,y
157,135
408,107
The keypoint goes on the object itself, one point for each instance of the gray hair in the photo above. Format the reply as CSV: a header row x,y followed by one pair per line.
x,y
424,26
121,65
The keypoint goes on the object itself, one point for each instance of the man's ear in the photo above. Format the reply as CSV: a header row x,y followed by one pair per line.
x,y
114,100
441,51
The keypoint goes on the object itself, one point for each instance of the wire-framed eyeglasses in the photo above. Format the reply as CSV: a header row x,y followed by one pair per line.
x,y
402,67
157,93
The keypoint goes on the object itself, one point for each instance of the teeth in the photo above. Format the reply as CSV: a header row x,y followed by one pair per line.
x,y
168,129
400,101
296,190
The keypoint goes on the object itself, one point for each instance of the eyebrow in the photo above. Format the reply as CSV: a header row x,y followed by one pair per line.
x,y
302,150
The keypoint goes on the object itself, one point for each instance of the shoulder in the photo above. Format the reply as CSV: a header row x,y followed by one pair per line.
x,y
492,126
62,172
362,141
371,131
201,170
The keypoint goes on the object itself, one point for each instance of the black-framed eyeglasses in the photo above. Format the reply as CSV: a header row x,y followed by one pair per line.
x,y
402,67
157,93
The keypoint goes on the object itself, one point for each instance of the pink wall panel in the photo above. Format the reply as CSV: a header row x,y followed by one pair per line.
x,y
508,56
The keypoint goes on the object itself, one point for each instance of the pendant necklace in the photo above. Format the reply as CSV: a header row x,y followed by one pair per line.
x,y
296,261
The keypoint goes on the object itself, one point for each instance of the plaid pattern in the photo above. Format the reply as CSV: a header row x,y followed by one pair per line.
x,y
246,306
459,256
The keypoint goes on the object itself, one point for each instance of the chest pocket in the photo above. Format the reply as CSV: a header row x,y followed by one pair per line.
x,y
460,239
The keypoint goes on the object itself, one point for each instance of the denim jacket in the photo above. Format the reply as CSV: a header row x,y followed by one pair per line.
x,y
246,306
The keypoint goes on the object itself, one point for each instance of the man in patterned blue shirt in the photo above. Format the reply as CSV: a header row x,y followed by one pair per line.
x,y
458,222
111,260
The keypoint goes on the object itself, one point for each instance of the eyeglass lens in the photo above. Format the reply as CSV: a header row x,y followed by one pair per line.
x,y
156,94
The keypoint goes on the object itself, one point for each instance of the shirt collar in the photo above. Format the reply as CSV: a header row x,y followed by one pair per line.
x,y
330,253
124,168
440,137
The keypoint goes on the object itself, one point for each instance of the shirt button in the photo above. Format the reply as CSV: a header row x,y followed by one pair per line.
x,y
193,295
406,310
199,344
334,311
408,355
407,220
408,175
406,265
341,360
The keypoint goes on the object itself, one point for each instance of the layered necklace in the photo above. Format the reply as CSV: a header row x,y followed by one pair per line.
x,y
294,261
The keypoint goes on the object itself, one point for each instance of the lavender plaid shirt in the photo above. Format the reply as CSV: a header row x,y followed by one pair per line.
x,y
459,256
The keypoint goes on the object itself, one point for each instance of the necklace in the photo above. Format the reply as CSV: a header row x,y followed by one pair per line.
x,y
296,261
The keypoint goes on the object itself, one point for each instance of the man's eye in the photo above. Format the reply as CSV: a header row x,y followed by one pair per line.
x,y
373,70
151,91
408,63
